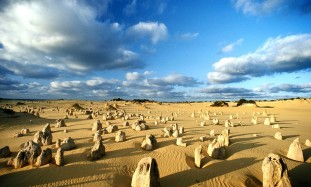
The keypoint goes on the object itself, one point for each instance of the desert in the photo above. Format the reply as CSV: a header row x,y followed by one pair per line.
x,y
150,129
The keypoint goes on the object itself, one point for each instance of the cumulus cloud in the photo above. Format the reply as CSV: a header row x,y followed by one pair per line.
x,y
153,30
277,55
231,46
264,7
42,39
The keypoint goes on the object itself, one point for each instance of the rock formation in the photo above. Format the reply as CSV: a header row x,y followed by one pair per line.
x,y
97,125
272,119
267,121
5,152
120,136
25,131
179,142
112,128
216,150
278,136
58,143
212,132
68,144
197,156
295,151
146,174
28,155
274,172
97,151
60,123
149,143
44,158
97,136
308,143
59,157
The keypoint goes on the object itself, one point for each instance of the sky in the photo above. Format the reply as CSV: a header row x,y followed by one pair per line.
x,y
164,50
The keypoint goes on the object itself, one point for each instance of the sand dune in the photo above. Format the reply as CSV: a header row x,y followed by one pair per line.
x,y
242,166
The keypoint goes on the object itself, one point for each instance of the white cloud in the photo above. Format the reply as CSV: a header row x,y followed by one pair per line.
x,y
277,55
153,30
49,37
231,46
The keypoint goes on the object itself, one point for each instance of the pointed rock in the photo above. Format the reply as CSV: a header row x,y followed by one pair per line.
x,y
295,151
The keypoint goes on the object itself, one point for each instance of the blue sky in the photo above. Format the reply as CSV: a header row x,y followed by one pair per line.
x,y
155,49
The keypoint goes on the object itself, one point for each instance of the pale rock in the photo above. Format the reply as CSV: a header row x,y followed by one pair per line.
x,y
197,156
295,151
275,172
146,174
278,136
68,144
120,136
179,142
149,143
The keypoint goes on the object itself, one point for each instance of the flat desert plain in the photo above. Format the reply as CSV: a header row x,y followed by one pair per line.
x,y
241,167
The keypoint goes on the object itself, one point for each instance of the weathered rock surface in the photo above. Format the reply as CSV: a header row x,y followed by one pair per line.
x,y
149,143
68,144
97,151
44,158
146,174
59,157
275,172
295,151
97,126
197,156
5,152
216,150
120,136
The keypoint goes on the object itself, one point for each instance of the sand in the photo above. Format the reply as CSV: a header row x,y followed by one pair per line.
x,y
242,166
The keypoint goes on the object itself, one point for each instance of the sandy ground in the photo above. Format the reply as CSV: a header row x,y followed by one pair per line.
x,y
242,167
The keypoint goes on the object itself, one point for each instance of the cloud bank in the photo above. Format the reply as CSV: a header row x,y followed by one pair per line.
x,y
277,55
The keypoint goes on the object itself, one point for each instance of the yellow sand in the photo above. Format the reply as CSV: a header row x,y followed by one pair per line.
x,y
176,164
